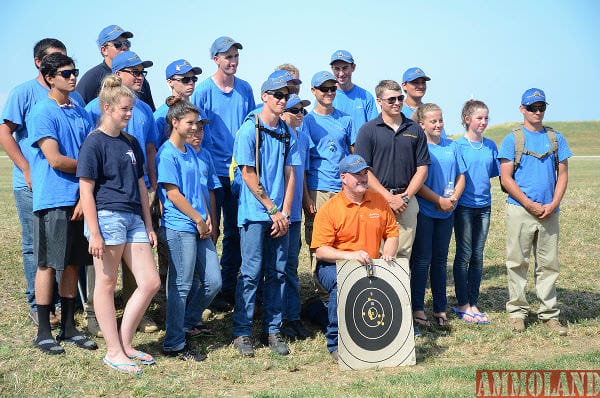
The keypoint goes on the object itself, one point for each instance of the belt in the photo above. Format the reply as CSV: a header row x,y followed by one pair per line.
x,y
396,191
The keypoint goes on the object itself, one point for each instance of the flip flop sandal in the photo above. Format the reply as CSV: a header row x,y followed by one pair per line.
x,y
422,321
79,340
128,367
49,346
482,318
466,317
144,358
442,322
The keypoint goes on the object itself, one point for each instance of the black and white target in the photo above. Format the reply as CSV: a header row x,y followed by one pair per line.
x,y
374,315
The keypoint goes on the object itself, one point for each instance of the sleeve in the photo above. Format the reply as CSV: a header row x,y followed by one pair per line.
x,y
151,130
213,181
371,107
245,145
460,161
422,151
88,159
166,167
351,132
495,167
564,152
391,226
293,158
41,125
323,229
507,148
139,154
93,109
363,145
14,109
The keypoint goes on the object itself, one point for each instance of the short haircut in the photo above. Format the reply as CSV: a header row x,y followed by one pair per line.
x,y
386,85
51,62
41,47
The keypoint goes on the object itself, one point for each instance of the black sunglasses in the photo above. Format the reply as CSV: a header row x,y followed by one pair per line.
x,y
296,111
120,43
536,108
136,73
278,94
187,79
392,100
331,89
68,72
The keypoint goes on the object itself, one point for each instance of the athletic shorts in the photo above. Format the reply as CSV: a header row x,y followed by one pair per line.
x,y
118,227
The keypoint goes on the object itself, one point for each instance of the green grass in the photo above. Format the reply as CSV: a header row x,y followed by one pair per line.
x,y
446,363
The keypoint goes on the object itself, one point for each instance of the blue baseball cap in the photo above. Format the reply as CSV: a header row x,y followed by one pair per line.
x,y
202,116
341,55
532,96
273,84
111,32
180,67
222,44
127,59
294,100
352,164
321,77
413,74
286,75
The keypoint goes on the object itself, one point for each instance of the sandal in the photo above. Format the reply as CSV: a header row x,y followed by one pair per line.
x,y
49,346
144,358
482,319
128,367
199,330
79,340
422,321
442,321
466,317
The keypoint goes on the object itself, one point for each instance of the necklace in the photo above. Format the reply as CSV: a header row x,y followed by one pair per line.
x,y
473,146
69,104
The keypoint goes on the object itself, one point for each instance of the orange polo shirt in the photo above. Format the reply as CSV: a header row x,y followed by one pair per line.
x,y
345,225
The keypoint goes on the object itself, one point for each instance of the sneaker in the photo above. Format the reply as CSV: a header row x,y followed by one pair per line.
x,y
33,315
288,330
186,354
244,346
335,356
301,332
147,325
556,326
276,343
518,324
92,326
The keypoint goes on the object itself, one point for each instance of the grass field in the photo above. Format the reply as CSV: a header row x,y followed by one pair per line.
x,y
446,362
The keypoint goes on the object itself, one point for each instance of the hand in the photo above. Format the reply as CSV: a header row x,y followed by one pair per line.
x,y
535,209
397,203
152,237
387,258
445,204
77,212
280,225
361,256
548,210
203,229
27,177
96,246
309,205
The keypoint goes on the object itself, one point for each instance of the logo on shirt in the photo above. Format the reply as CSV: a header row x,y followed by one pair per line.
x,y
132,156
374,215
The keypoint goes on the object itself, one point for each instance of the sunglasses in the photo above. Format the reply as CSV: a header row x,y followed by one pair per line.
x,y
66,74
136,73
186,80
120,43
393,100
296,111
536,108
331,89
278,94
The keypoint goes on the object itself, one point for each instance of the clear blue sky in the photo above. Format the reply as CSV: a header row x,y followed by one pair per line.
x,y
491,50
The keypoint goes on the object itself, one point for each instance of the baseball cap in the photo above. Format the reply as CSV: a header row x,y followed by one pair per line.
x,y
180,67
286,75
321,77
126,59
413,74
273,84
222,44
202,117
294,100
352,164
532,96
341,55
111,32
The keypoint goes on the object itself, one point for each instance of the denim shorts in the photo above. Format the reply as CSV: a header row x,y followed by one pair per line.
x,y
118,227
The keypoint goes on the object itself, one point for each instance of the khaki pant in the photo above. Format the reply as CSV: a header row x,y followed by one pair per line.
x,y
407,227
526,234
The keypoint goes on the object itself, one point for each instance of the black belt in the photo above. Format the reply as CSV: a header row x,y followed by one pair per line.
x,y
396,191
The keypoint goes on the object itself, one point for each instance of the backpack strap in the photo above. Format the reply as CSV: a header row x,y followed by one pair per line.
x,y
554,146
257,129
520,147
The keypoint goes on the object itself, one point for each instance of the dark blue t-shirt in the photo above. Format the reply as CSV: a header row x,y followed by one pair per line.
x,y
116,164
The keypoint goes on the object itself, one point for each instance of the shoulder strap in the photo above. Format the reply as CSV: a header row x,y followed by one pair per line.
x,y
519,146
554,145
257,146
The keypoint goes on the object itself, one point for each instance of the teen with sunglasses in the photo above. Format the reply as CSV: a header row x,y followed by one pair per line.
x,y
535,190
112,40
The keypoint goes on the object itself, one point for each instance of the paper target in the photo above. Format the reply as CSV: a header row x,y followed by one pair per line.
x,y
374,315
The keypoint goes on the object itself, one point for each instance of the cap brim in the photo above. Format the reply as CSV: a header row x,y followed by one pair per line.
x,y
197,70
146,64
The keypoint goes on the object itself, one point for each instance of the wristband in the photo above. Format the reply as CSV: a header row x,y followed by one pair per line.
x,y
285,215
274,210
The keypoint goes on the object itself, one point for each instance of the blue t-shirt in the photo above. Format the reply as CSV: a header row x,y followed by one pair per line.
x,y
272,176
116,164
68,126
191,175
358,103
18,104
481,162
536,177
226,112
332,136
446,165
304,144
141,126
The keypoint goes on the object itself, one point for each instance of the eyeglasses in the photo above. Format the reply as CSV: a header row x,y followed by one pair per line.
x,y
66,74
296,111
278,94
393,100
536,108
120,43
330,89
186,80
136,73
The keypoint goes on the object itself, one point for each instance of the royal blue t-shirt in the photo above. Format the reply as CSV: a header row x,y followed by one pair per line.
x,y
358,103
304,144
481,162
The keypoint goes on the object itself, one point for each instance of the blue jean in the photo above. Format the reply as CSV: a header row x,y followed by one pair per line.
x,y
193,281
327,277
291,309
471,227
261,255
24,204
230,255
430,248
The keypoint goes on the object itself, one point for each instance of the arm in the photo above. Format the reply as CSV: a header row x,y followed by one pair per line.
x,y
513,189
443,204
12,149
213,215
389,248
308,204
186,208
290,182
146,212
559,189
331,255
395,201
417,181
56,160
96,245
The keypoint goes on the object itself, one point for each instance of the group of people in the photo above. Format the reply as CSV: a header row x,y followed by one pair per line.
x,y
96,159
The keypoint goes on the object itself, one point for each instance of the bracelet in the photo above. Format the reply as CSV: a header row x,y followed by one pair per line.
x,y
285,215
274,210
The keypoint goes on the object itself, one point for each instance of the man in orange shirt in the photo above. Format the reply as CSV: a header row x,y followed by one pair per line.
x,y
350,226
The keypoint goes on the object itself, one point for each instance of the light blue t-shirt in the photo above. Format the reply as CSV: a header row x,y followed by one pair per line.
x,y
332,136
141,126
304,144
16,109
68,126
358,103
536,177
481,162
191,175
446,165
226,112
272,176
